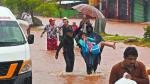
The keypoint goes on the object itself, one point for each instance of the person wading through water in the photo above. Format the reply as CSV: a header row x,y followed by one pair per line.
x,y
51,30
68,45
91,60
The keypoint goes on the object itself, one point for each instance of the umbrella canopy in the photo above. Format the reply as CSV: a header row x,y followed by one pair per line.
x,y
89,10
68,2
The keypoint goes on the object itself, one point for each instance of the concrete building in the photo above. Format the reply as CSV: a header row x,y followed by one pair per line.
x,y
129,10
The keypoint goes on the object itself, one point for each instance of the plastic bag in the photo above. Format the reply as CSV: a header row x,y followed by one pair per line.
x,y
148,70
124,80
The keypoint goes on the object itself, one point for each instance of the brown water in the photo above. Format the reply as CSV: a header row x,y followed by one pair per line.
x,y
48,70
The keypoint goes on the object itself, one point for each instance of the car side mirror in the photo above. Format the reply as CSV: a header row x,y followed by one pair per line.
x,y
31,39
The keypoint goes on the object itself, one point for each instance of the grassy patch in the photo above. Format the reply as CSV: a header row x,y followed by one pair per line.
x,y
104,34
124,39
118,38
140,42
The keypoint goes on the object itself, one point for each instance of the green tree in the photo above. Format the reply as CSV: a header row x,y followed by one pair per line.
x,y
43,7
59,8
1,2
47,9
11,5
147,33
40,7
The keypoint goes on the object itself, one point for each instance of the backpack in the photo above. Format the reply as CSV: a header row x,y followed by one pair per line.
x,y
95,49
84,47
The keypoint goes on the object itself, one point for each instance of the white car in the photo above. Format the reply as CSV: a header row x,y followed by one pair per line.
x,y
15,61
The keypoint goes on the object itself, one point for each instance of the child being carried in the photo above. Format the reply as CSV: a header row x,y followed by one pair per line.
x,y
88,45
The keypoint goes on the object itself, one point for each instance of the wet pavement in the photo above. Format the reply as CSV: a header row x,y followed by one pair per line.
x,y
48,70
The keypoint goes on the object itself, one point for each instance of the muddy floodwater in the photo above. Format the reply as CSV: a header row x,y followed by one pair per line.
x,y
48,70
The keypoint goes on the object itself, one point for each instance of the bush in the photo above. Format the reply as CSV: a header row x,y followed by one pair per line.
x,y
147,33
37,22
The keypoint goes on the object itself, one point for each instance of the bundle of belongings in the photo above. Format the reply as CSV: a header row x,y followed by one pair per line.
x,y
124,80
148,70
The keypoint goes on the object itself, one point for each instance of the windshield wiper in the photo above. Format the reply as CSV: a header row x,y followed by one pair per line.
x,y
4,42
11,43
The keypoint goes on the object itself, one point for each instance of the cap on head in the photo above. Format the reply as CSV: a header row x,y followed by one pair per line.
x,y
130,51
65,18
51,19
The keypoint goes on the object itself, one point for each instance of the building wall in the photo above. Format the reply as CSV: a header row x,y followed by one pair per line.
x,y
111,8
117,9
130,10
122,9
148,8
138,11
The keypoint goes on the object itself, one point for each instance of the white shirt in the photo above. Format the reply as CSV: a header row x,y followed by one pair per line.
x,y
28,18
60,29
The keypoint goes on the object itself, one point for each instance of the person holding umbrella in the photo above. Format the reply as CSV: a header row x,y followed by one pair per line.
x,y
93,12
85,21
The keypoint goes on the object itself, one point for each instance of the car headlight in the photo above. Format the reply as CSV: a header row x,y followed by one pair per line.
x,y
26,66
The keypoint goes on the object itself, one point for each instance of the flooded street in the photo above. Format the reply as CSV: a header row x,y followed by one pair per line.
x,y
48,70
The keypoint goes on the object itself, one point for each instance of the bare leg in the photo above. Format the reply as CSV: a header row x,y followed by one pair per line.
x,y
109,44
28,30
